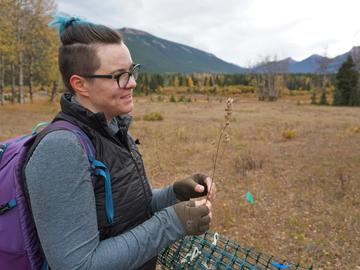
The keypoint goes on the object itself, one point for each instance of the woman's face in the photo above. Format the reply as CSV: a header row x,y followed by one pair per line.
x,y
104,94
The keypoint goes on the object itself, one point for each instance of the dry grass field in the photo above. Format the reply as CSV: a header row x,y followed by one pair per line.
x,y
301,163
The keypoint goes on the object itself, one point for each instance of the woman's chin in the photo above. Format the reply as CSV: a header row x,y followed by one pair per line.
x,y
126,109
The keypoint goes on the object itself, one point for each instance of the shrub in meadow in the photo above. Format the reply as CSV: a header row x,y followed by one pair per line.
x,y
153,116
289,133
172,98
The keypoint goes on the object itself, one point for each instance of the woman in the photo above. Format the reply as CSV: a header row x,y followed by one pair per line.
x,y
68,210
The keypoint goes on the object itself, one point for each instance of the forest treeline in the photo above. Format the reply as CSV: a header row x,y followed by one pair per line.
x,y
267,86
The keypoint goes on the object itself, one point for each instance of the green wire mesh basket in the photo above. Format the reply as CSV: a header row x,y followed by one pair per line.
x,y
212,251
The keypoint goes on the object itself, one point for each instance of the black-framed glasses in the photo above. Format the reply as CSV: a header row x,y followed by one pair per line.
x,y
122,78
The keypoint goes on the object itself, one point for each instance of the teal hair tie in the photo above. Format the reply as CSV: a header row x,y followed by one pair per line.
x,y
61,22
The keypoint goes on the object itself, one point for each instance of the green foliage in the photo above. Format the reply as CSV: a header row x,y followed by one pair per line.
x,y
347,89
306,81
172,98
160,98
156,81
184,99
181,99
323,98
153,116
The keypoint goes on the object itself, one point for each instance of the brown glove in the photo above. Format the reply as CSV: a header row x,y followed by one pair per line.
x,y
195,219
185,189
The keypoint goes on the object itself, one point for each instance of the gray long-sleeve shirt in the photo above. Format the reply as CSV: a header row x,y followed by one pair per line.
x,y
63,205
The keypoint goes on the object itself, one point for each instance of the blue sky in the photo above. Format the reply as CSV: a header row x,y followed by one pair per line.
x,y
238,31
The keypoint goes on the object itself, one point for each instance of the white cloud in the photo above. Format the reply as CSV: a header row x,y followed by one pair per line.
x,y
236,31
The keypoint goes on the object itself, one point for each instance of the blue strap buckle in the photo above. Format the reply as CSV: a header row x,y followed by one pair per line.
x,y
2,150
7,206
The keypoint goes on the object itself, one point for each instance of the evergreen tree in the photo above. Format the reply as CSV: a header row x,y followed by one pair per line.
x,y
193,78
323,98
153,82
160,80
206,81
347,91
218,80
181,80
211,82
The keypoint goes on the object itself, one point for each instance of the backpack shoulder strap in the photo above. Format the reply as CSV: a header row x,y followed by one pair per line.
x,y
98,168
83,138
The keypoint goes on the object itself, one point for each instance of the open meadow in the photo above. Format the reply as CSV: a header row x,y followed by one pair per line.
x,y
301,163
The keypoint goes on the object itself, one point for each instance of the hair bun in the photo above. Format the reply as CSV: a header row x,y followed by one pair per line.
x,y
70,22
62,22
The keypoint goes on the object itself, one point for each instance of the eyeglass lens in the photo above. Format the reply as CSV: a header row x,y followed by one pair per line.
x,y
124,78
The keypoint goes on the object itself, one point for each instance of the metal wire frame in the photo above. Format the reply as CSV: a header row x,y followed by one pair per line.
x,y
212,252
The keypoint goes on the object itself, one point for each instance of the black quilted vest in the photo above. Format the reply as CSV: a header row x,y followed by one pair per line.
x,y
131,191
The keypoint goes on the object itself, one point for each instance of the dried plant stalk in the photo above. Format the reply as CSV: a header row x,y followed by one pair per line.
x,y
228,113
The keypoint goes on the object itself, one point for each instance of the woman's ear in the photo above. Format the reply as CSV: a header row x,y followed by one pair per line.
x,y
80,85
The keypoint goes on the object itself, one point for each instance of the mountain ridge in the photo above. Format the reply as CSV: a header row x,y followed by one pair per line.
x,y
158,55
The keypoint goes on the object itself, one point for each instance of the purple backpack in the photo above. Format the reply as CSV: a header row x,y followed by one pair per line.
x,y
20,247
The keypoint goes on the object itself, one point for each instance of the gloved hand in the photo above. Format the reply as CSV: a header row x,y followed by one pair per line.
x,y
192,187
195,219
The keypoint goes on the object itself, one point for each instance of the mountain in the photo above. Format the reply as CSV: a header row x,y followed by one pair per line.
x,y
310,64
275,66
158,55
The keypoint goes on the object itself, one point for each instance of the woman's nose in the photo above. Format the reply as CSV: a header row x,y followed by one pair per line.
x,y
131,83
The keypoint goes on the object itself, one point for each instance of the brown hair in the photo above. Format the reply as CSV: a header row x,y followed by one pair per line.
x,y
77,54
